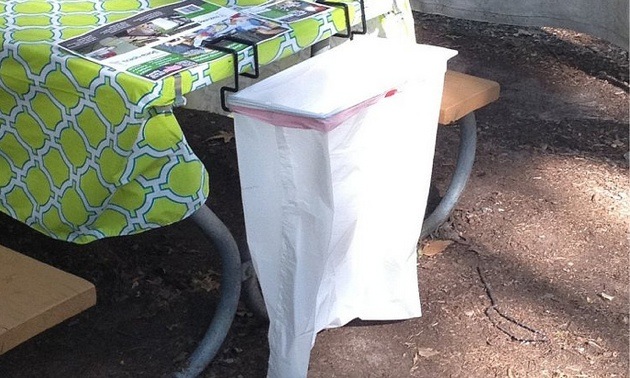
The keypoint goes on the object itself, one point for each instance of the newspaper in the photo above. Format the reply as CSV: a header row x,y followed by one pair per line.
x,y
287,11
163,41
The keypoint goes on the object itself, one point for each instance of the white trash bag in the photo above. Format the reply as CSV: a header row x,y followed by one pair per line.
x,y
335,158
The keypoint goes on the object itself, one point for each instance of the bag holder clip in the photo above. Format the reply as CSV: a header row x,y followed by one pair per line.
x,y
212,45
346,10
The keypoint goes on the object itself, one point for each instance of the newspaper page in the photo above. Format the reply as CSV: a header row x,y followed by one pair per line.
x,y
163,41
287,11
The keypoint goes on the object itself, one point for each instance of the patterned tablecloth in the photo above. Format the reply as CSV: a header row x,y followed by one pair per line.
x,y
88,152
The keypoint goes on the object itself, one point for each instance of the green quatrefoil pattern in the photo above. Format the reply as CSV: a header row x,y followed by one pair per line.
x,y
84,154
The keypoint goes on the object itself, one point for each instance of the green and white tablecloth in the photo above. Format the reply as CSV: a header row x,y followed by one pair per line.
x,y
84,152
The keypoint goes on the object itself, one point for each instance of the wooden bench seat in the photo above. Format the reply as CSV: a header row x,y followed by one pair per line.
x,y
35,296
464,94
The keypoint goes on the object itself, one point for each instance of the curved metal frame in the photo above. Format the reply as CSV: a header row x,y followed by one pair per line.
x,y
463,168
224,243
250,285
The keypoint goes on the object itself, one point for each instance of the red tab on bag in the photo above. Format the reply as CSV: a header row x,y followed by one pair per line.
x,y
391,92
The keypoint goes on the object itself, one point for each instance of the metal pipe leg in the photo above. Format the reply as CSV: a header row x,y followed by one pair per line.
x,y
224,243
251,288
465,159
320,47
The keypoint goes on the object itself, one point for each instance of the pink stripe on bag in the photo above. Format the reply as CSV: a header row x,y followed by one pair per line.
x,y
303,122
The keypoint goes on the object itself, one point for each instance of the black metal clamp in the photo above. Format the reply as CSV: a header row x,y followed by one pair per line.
x,y
214,45
346,9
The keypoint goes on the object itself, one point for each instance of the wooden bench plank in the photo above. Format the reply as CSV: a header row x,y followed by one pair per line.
x,y
35,296
464,94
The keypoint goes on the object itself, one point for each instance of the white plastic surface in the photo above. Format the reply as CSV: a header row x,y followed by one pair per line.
x,y
333,218
348,74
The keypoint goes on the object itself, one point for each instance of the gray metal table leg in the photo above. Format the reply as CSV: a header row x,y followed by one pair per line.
x,y
465,159
224,243
320,47
250,286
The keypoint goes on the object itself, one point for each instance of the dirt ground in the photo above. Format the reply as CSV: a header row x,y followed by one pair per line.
x,y
542,227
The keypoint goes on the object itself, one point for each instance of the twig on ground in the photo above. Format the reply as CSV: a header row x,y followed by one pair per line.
x,y
542,338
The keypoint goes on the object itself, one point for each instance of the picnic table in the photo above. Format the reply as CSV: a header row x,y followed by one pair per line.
x,y
88,151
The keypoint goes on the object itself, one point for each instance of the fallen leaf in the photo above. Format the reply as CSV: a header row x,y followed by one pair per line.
x,y
427,352
433,247
594,344
225,135
208,282
606,296
416,357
